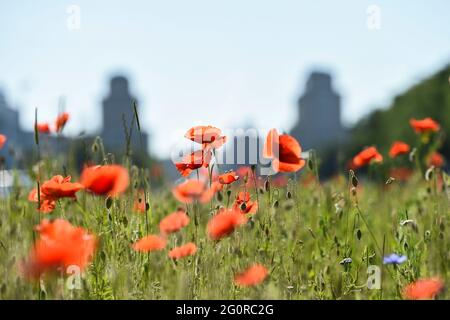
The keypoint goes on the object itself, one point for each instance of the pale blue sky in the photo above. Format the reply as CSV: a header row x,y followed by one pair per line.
x,y
225,63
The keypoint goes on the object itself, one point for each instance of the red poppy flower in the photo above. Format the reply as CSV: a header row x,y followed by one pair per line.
x,y
61,121
150,243
423,289
253,276
47,205
285,152
43,128
366,156
110,180
228,178
191,190
3,140
208,136
424,125
60,187
436,159
224,223
174,222
194,161
189,249
399,148
244,198
60,245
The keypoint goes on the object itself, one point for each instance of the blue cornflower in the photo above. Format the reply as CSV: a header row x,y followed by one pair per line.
x,y
394,259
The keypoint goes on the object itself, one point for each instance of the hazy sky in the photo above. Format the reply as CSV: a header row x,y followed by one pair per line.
x,y
225,63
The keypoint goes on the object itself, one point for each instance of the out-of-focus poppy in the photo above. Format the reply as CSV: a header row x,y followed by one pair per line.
x,y
150,243
109,180
224,223
424,125
61,121
3,140
43,128
285,152
244,204
399,148
47,205
253,276
436,159
401,173
60,245
60,187
423,289
366,156
228,178
189,249
174,222
208,136
194,161
192,190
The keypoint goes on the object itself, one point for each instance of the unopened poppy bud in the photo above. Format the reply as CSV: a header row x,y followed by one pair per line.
x,y
429,173
276,204
288,195
358,234
109,202
267,186
219,196
228,193
310,164
354,181
390,180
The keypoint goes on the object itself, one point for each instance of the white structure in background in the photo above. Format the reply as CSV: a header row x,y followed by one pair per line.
x,y
7,178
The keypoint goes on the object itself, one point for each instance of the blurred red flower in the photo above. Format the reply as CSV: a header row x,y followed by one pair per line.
x,y
244,204
399,148
109,180
366,156
194,161
3,140
208,136
47,205
60,187
60,245
436,159
150,243
174,222
285,152
61,121
228,178
224,223
192,190
253,276
423,289
424,125
43,128
189,249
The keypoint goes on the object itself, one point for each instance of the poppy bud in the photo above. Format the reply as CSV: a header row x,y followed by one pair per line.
x,y
390,180
267,186
354,180
219,196
228,193
109,202
358,234
276,204
310,164
288,195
